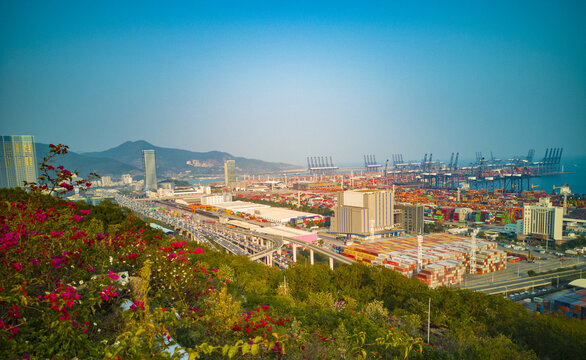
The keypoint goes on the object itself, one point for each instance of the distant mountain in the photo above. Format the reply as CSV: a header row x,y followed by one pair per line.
x,y
86,164
171,161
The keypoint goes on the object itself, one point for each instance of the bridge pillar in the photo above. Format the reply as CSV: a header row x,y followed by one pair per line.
x,y
311,256
294,252
332,263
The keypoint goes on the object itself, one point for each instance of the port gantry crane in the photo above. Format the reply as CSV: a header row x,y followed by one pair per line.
x,y
386,174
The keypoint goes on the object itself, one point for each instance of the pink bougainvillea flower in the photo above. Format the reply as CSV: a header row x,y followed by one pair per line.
x,y
137,305
112,275
67,186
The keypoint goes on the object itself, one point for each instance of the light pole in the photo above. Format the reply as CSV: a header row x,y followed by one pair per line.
x,y
428,319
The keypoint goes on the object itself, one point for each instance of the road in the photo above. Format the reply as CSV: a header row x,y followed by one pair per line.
x,y
511,285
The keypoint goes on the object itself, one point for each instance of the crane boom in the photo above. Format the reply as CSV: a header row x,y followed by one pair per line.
x,y
386,175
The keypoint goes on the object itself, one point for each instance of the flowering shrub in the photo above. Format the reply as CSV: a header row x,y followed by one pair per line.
x,y
54,178
61,295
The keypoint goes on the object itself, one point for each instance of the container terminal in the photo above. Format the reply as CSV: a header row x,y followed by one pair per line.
x,y
388,215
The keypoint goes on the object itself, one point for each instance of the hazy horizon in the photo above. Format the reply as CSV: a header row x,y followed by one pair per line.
x,y
283,81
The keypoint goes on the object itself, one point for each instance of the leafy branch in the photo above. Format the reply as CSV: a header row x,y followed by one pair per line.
x,y
53,178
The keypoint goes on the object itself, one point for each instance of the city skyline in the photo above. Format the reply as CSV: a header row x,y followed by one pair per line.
x,y
287,81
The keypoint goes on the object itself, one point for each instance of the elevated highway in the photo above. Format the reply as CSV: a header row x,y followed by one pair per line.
x,y
196,232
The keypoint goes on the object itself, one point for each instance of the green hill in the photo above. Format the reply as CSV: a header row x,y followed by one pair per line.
x,y
171,161
86,164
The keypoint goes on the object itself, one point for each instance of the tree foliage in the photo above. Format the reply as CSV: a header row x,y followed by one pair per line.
x,y
62,296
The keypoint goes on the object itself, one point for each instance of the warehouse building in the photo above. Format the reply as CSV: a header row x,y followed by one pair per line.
x,y
367,213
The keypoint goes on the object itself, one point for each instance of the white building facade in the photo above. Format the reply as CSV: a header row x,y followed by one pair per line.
x,y
543,220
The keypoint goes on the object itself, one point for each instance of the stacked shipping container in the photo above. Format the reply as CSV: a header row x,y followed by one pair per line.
x,y
444,259
572,305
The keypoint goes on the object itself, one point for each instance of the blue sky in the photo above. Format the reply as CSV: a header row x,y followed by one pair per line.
x,y
281,81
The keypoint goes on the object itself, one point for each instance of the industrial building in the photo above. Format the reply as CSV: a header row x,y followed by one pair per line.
x,y
543,220
150,170
288,232
215,199
411,217
229,172
274,215
366,213
18,160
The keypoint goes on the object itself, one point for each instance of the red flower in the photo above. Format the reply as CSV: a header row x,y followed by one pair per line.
x,y
67,186
112,275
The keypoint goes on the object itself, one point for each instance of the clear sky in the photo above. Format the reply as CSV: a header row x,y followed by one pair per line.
x,y
281,81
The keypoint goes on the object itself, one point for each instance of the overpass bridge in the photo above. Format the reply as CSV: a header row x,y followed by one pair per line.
x,y
272,244
279,242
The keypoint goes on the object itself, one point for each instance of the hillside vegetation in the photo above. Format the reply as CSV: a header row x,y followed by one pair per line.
x,y
172,161
61,297
95,282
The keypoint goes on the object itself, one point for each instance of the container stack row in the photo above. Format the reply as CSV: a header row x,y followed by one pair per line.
x,y
442,273
444,260
488,261
573,305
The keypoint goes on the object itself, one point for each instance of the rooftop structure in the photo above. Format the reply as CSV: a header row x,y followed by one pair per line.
x,y
275,215
287,232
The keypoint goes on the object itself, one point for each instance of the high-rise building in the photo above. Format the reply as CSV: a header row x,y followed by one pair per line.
x,y
229,172
106,181
411,217
18,160
126,179
366,213
150,170
543,220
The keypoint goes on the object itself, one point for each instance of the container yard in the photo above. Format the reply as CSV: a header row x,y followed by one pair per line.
x,y
572,305
445,257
